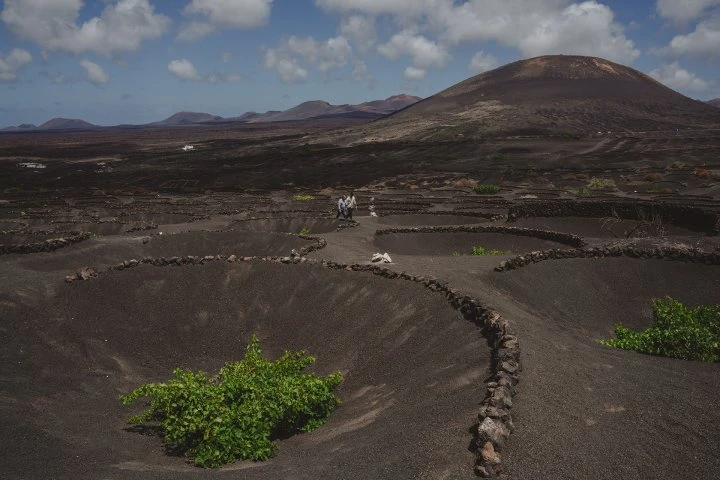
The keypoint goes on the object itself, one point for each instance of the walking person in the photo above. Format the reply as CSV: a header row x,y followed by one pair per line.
x,y
341,208
350,204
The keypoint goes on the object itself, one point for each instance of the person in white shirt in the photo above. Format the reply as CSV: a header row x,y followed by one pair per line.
x,y
351,205
341,208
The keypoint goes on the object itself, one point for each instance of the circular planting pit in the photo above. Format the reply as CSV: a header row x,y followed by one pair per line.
x,y
430,220
157,218
609,410
600,227
442,243
104,229
24,238
288,225
413,370
223,243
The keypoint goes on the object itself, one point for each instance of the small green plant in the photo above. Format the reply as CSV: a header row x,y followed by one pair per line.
x,y
239,412
678,331
304,231
482,251
486,189
303,197
596,183
456,254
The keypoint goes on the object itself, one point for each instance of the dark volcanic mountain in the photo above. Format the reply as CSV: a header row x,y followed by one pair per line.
x,y
322,109
550,95
187,118
714,102
66,124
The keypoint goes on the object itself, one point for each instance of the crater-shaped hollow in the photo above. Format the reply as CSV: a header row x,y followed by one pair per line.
x,y
413,369
429,219
223,243
601,227
288,225
444,243
599,393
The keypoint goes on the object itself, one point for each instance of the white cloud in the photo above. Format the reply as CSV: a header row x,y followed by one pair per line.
x,y
287,68
360,30
94,73
184,70
194,31
226,56
232,13
361,73
535,27
425,53
292,58
413,74
482,62
52,25
11,64
684,10
677,78
704,42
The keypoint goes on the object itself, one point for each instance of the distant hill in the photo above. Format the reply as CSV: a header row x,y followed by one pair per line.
x,y
548,96
66,124
187,118
315,109
715,102
323,109
24,126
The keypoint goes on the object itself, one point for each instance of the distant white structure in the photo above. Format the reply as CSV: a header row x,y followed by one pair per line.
x,y
187,148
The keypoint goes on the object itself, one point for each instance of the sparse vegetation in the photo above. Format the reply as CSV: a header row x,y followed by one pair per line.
x,y
237,414
482,251
303,197
304,231
596,183
496,157
486,189
678,331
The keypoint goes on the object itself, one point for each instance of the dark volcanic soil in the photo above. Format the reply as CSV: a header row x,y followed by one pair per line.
x,y
70,352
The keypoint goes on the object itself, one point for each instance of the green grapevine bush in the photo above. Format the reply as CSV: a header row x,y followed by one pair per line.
x,y
482,251
237,414
678,331
486,189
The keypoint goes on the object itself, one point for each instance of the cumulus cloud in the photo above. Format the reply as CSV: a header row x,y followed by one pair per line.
x,y
535,27
226,56
677,78
121,28
184,69
361,73
414,74
241,14
287,68
704,42
11,64
94,73
482,62
684,10
292,58
424,53
194,31
360,31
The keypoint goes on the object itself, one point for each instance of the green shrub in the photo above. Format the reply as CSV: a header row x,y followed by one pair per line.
x,y
238,413
486,189
482,251
677,331
304,231
303,197
596,183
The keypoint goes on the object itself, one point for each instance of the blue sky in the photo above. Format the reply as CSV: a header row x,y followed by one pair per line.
x,y
135,61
